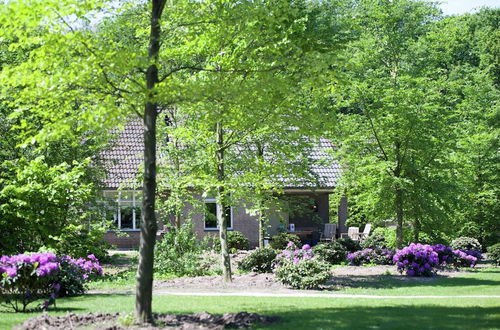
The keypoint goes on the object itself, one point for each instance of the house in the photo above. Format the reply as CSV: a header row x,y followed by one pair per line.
x,y
308,207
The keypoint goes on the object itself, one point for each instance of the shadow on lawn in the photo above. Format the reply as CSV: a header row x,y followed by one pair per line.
x,y
390,282
389,317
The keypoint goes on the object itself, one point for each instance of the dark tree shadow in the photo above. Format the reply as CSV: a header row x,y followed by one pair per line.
x,y
392,317
390,282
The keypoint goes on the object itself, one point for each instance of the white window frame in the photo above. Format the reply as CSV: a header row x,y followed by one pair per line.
x,y
217,208
117,215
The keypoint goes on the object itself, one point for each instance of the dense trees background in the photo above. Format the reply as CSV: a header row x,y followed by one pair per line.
x,y
409,98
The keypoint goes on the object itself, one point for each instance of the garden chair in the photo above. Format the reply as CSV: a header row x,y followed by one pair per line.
x,y
366,231
352,233
328,233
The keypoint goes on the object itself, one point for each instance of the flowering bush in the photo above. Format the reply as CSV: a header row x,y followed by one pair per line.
x,y
300,268
26,278
466,244
445,254
463,259
371,256
417,260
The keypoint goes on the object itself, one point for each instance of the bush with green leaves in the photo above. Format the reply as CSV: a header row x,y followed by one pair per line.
x,y
300,268
494,253
280,241
332,252
349,244
235,241
389,234
466,244
259,261
178,252
376,239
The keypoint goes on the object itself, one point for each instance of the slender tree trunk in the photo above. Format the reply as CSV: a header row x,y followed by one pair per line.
x,y
221,210
398,199
416,230
144,287
261,229
399,218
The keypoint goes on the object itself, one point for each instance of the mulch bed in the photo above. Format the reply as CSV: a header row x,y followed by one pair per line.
x,y
102,321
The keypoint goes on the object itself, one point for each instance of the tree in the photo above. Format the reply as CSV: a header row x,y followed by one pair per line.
x,y
97,77
48,194
463,49
396,125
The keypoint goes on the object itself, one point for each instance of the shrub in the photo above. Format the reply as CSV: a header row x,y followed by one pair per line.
x,y
333,253
371,256
417,260
26,278
494,253
280,241
74,273
300,269
259,261
463,259
178,252
377,239
235,241
445,254
466,244
349,244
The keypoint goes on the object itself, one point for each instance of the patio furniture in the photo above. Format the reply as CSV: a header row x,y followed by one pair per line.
x,y
352,233
366,231
329,233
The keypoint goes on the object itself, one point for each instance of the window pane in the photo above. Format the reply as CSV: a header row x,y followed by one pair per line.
x,y
126,217
138,216
229,220
210,215
126,195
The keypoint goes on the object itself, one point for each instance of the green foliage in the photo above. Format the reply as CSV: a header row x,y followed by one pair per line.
x,y
349,244
280,241
178,252
376,239
306,274
466,244
259,261
235,241
332,252
44,205
389,234
494,253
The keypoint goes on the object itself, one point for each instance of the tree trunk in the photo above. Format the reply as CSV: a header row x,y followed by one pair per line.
x,y
399,198
221,210
416,230
399,218
144,287
261,229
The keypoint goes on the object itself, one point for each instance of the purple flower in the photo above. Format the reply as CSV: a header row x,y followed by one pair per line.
x,y
306,247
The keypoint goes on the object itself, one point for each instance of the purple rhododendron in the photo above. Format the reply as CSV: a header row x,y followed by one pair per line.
x,y
417,260
33,276
371,256
294,255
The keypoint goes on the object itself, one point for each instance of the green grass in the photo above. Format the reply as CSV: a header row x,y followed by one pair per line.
x,y
479,282
306,313
328,313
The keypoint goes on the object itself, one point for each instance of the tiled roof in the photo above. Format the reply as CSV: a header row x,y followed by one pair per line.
x,y
124,159
125,156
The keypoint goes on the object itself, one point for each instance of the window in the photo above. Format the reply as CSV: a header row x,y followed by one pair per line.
x,y
125,208
210,216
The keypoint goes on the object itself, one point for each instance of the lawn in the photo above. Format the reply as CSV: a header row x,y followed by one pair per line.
x,y
307,313
327,313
